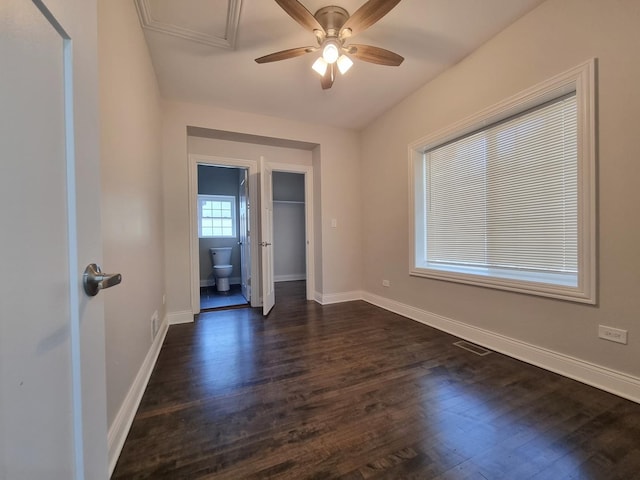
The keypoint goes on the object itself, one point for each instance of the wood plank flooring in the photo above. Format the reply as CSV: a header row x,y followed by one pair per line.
x,y
354,392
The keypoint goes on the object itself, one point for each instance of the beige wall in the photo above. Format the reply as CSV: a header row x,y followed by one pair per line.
x,y
338,195
247,151
131,194
551,39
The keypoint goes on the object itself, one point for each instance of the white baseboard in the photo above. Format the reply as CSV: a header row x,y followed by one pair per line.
x,y
119,429
290,278
329,298
176,318
618,383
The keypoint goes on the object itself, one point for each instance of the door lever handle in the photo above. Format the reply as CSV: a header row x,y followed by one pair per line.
x,y
94,280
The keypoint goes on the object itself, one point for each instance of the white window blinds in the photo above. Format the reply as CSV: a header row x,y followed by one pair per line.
x,y
506,197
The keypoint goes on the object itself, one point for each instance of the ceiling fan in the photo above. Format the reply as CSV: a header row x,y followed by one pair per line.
x,y
333,27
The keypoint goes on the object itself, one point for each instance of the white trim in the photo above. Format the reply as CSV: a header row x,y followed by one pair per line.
x,y
227,40
290,277
266,235
307,171
329,298
194,250
618,383
580,79
176,318
121,425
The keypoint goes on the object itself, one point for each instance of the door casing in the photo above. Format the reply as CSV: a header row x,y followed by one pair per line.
x,y
194,250
307,171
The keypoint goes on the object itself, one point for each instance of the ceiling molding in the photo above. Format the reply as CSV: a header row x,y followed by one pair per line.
x,y
227,40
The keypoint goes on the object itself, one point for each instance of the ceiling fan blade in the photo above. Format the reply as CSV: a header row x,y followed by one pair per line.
x,y
285,54
300,14
329,76
371,54
367,15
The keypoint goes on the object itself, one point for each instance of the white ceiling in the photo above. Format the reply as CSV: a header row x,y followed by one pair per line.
x,y
196,60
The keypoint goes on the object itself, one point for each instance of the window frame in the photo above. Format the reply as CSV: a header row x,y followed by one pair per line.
x,y
217,198
580,80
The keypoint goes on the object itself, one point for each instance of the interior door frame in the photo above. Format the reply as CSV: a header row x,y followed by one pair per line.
x,y
307,171
244,228
194,249
266,236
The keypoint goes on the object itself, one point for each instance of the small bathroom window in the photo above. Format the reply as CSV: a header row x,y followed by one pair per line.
x,y
216,216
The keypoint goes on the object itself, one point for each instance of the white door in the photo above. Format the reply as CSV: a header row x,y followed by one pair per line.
x,y
52,380
266,220
245,235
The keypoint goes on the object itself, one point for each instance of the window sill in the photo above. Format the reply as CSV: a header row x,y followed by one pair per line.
x,y
563,287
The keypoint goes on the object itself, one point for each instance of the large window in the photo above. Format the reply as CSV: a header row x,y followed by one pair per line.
x,y
506,200
216,216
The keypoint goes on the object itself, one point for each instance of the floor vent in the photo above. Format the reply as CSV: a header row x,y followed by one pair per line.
x,y
473,348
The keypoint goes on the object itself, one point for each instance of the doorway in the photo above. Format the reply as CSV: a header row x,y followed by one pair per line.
x,y
289,242
223,233
241,178
293,206
253,244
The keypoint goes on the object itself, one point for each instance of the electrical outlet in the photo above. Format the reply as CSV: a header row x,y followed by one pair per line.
x,y
612,334
164,299
386,283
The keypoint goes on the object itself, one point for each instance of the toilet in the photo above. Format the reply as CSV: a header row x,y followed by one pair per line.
x,y
222,268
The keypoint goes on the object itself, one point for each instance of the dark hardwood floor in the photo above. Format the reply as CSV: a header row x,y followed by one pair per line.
x,y
352,391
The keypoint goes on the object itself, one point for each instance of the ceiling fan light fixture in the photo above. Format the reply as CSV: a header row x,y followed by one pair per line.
x,y
320,66
332,27
330,52
344,64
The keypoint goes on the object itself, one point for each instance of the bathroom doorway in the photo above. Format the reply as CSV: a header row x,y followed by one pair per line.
x,y
224,235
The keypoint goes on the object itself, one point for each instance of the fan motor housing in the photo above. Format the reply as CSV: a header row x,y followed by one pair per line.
x,y
332,18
